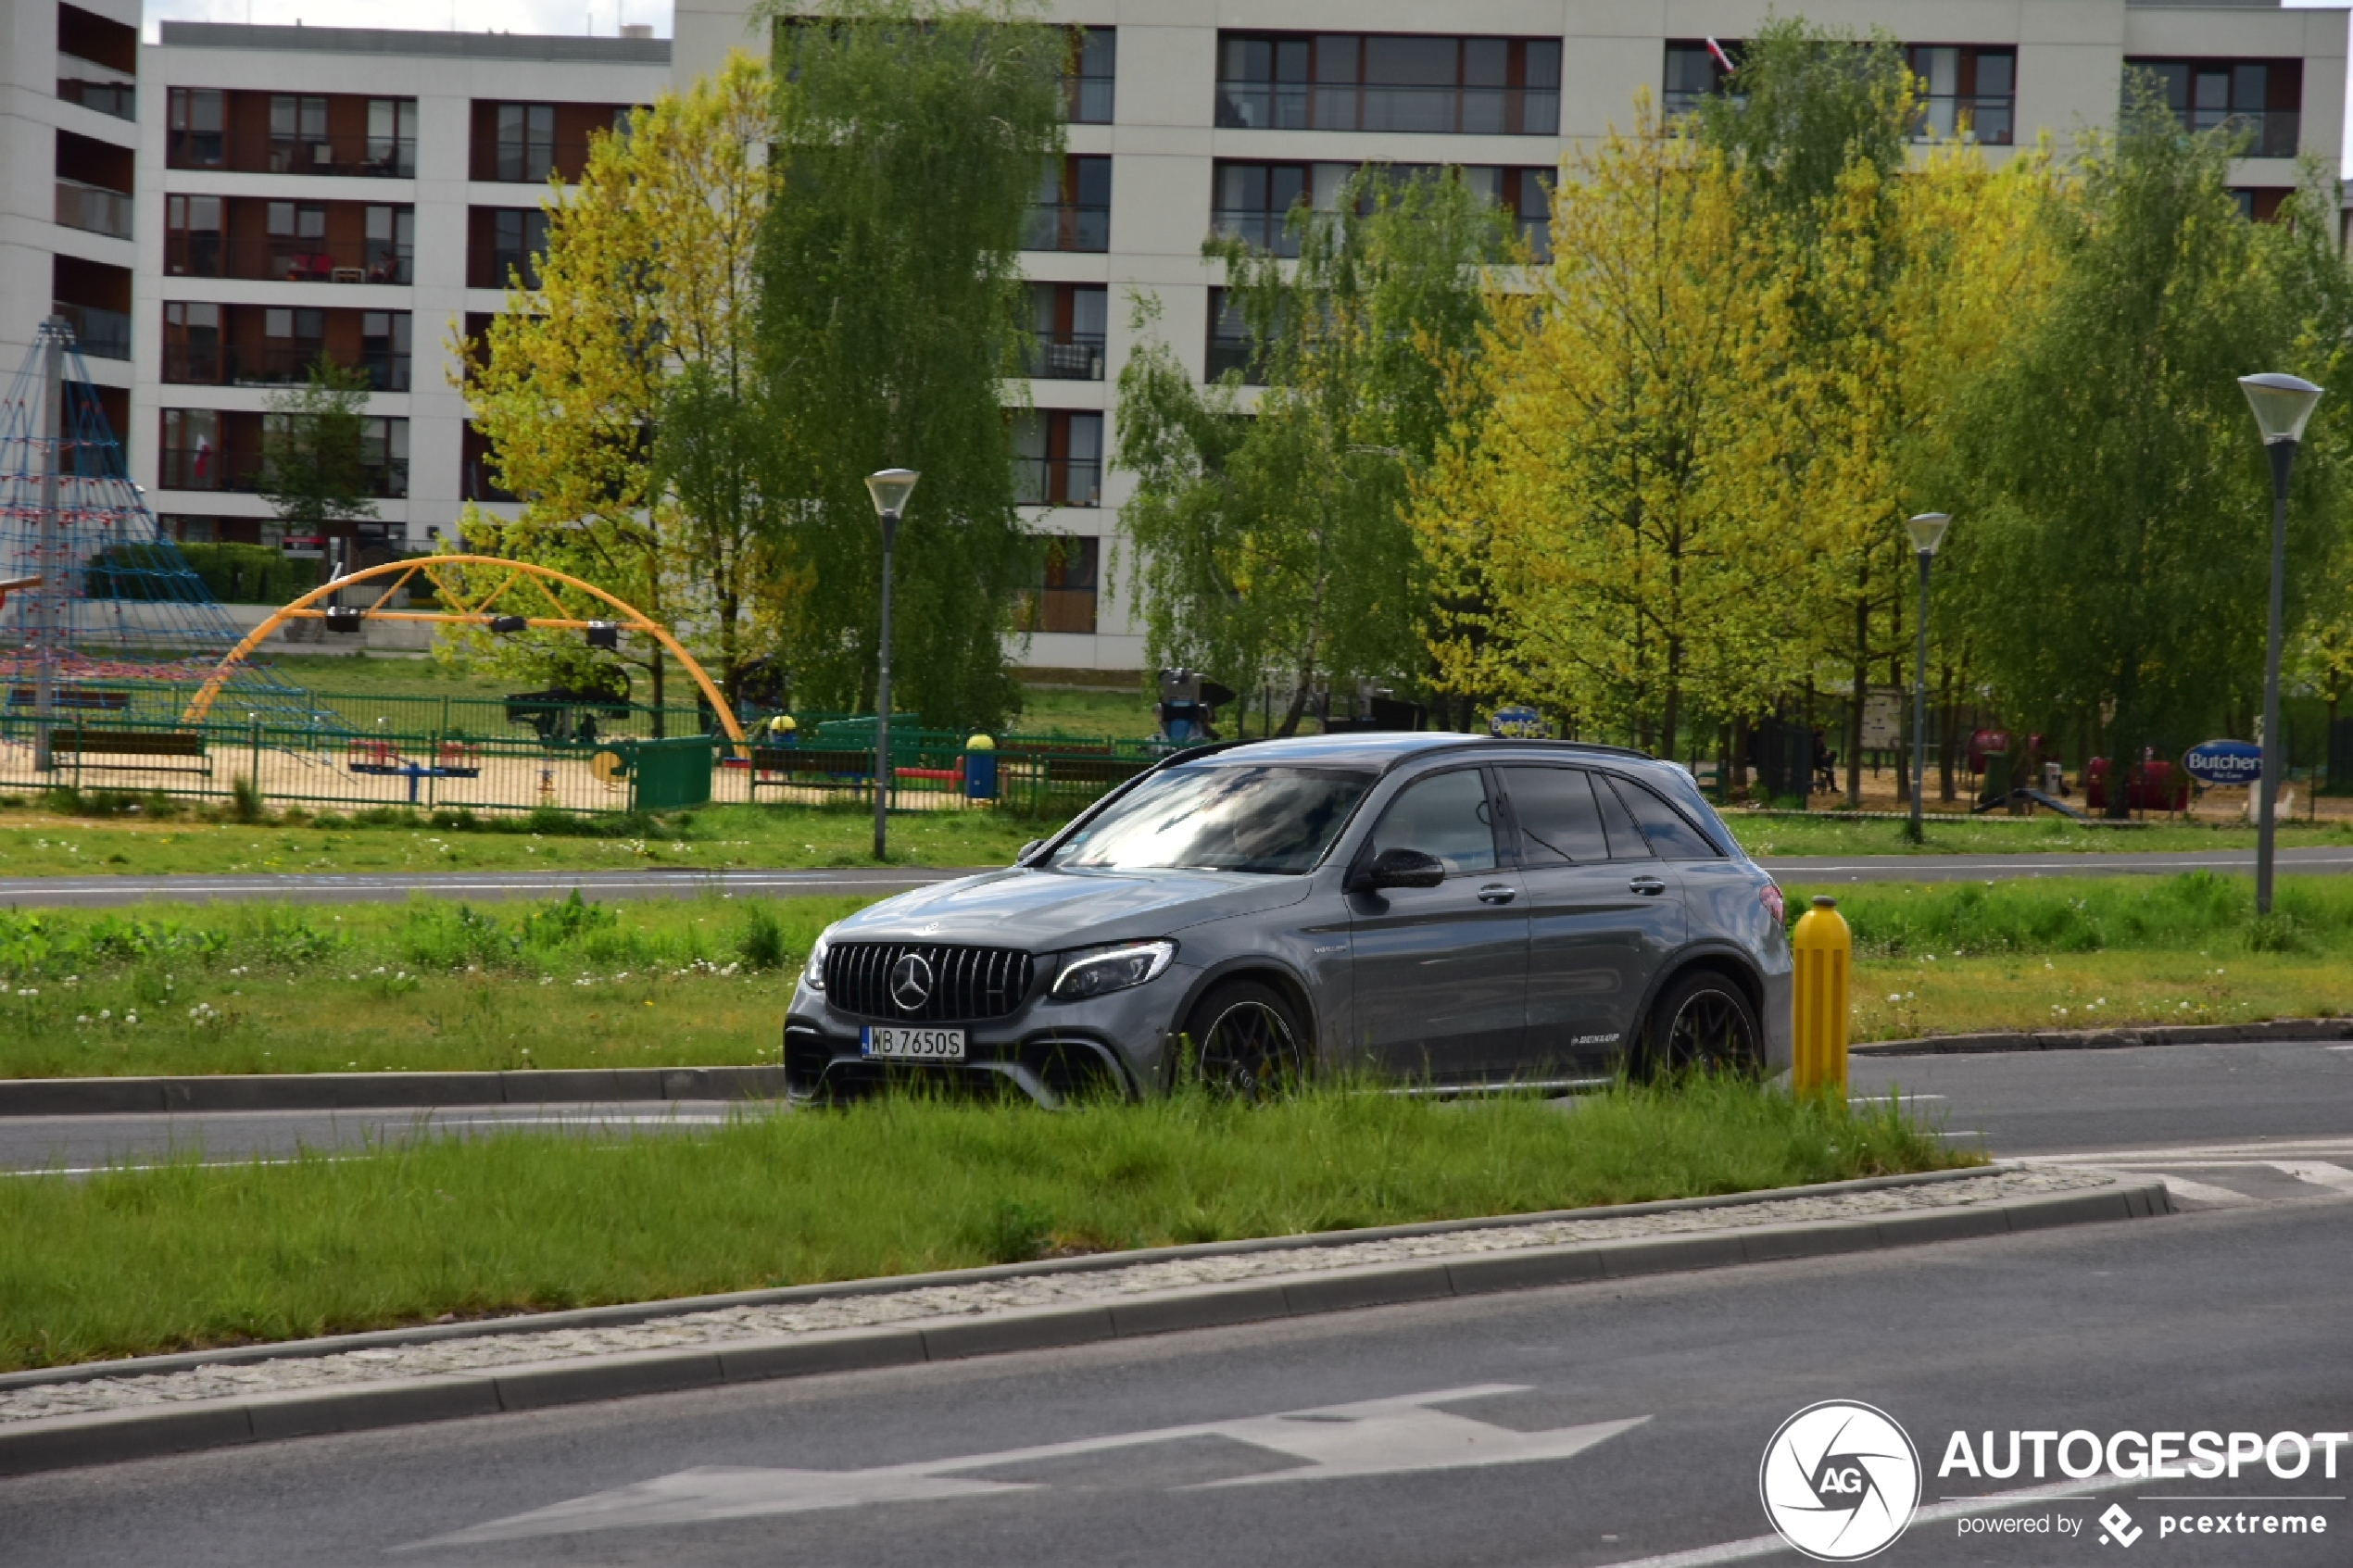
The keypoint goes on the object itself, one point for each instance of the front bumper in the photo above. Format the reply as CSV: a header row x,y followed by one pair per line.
x,y
1051,1052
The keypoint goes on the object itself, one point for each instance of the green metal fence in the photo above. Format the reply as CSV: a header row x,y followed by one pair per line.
x,y
521,755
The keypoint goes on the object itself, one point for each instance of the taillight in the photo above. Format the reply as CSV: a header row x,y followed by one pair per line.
x,y
1770,897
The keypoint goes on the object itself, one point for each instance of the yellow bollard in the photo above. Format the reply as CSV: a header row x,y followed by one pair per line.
x,y
1822,946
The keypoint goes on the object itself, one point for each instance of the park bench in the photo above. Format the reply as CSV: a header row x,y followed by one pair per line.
x,y
782,766
143,745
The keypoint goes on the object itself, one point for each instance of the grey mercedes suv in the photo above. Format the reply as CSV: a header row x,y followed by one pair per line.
x,y
1435,908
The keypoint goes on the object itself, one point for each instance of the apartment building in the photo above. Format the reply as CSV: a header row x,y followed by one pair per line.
x,y
1188,118
68,179
355,193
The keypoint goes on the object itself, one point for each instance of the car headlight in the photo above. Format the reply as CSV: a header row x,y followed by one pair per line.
x,y
1104,969
813,974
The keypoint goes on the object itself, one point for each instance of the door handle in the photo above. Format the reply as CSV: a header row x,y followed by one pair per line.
x,y
1648,886
1496,893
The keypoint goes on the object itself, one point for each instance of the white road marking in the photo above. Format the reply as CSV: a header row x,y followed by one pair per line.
x,y
2258,1151
1372,1438
2336,1178
2199,1192
1932,1513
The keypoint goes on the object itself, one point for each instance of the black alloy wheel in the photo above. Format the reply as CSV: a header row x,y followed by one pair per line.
x,y
1702,1023
1245,1041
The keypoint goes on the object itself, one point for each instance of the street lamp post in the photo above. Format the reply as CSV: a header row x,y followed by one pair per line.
x,y
1928,532
891,489
2282,405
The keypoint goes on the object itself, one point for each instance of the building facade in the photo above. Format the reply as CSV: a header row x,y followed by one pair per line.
x,y
69,182
355,193
1188,118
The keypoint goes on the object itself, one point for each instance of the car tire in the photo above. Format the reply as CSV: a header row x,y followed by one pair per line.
x,y
1702,1022
1245,1041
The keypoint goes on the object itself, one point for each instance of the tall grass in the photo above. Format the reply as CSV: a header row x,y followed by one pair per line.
x,y
2194,911
150,1261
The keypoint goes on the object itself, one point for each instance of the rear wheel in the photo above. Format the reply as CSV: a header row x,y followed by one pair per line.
x,y
1701,1023
1246,1041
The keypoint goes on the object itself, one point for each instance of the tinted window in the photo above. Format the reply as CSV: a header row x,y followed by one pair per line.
x,y
1234,819
1626,841
1670,833
1558,821
1447,816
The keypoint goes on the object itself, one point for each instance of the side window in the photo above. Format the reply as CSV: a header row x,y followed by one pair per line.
x,y
1669,831
1626,841
1559,824
1447,816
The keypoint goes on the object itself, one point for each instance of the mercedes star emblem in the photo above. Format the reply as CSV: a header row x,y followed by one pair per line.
x,y
911,982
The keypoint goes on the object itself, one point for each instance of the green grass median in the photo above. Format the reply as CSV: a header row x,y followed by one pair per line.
x,y
181,1257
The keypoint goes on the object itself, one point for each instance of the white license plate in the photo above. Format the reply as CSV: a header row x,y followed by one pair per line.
x,y
886,1042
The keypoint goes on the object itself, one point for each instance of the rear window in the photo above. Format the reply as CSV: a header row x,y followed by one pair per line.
x,y
1670,833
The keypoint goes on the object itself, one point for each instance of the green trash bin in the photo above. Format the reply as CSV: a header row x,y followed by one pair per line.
x,y
670,775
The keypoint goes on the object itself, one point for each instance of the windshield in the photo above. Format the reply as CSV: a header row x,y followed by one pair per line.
x,y
1225,818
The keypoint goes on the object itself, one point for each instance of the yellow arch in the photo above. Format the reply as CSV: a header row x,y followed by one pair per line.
x,y
402,571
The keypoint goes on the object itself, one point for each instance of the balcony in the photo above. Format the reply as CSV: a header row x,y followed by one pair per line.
x,y
230,366
203,467
2266,132
120,99
94,209
1947,115
1068,226
101,335
1257,228
1066,357
1058,482
1468,111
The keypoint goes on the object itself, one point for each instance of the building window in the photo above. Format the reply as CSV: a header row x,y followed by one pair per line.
x,y
191,240
2261,204
192,344
1231,344
392,137
1072,208
1963,92
1087,86
1058,458
96,298
478,473
384,456
1067,330
195,126
504,244
298,233
1390,82
526,142
391,245
1253,201
1064,597
1697,68
384,348
298,141
191,457
2258,100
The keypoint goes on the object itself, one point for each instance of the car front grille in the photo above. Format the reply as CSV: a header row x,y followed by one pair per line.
x,y
966,982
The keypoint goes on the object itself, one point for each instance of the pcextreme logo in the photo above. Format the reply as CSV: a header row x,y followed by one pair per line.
x,y
1840,1481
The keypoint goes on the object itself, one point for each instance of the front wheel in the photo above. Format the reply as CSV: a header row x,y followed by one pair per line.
x,y
1246,1041
1701,1023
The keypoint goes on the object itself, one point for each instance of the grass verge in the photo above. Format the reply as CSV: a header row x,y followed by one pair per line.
x,y
1825,833
140,1261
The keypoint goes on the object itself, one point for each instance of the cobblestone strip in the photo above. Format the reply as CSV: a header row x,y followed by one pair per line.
x,y
935,1304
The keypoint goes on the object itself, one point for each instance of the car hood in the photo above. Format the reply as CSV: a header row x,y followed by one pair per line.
x,y
1046,911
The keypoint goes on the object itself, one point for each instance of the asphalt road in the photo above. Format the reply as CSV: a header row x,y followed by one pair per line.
x,y
1597,1425
29,892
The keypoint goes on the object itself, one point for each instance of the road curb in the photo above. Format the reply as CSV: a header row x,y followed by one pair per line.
x,y
2114,1039
72,1441
381,1091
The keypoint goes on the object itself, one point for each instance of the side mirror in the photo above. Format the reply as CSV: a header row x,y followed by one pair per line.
x,y
1021,855
1401,867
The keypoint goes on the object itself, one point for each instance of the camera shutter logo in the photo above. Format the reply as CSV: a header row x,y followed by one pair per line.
x,y
1840,1481
911,982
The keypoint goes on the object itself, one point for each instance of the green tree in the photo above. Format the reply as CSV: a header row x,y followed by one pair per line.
x,y
2121,543
1272,542
908,141
313,450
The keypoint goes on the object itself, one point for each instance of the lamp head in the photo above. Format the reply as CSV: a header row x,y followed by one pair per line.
x,y
2282,405
1928,531
891,489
